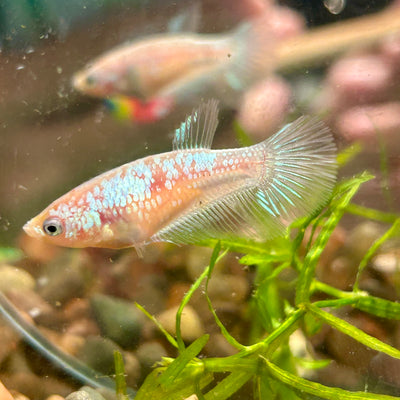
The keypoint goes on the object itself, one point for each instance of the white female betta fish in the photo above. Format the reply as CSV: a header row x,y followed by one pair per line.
x,y
147,78
193,193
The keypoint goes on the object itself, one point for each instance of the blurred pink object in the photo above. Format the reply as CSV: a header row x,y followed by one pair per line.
x,y
358,80
391,52
264,107
367,123
285,22
248,8
233,12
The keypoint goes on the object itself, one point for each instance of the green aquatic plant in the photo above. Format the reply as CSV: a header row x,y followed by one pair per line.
x,y
267,360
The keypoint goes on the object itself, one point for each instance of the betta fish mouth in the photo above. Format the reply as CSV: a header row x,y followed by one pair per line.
x,y
78,82
32,230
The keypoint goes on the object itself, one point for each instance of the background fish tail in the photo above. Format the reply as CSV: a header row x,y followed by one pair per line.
x,y
252,54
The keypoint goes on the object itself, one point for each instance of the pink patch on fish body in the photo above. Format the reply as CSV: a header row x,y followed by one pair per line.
x,y
193,192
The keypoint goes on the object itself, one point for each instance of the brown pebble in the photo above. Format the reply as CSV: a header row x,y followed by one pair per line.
x,y
132,369
69,343
33,304
15,278
55,397
8,339
349,351
340,273
148,354
218,346
191,325
65,278
386,368
35,387
151,292
339,375
387,263
176,293
77,308
197,258
223,287
83,327
360,239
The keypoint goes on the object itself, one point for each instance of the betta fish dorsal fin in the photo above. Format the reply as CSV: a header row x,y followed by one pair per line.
x,y
197,131
187,20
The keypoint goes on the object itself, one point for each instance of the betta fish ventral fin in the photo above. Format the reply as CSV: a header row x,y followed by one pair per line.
x,y
197,131
295,176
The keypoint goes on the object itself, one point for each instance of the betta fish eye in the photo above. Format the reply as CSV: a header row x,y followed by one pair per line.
x,y
90,80
52,227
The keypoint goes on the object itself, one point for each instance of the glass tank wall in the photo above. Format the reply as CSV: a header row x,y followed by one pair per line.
x,y
252,252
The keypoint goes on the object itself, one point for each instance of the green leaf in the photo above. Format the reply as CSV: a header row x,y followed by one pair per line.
x,y
372,250
240,245
379,307
344,192
312,364
230,339
349,153
189,294
186,383
120,382
228,386
185,300
160,327
266,297
353,332
254,259
243,138
316,389
177,366
213,259
312,325
370,213
282,332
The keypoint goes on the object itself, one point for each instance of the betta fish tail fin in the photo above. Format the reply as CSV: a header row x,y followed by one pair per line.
x,y
299,169
252,55
135,110
121,107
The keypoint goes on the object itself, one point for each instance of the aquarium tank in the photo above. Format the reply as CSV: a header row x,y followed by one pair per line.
x,y
199,199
